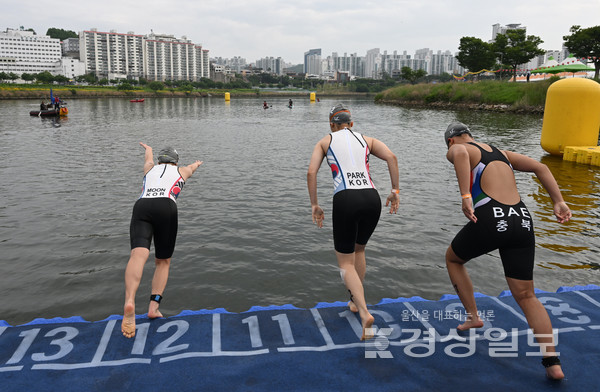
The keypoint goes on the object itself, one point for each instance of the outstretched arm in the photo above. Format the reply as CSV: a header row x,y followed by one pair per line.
x,y
187,171
381,151
148,157
311,181
459,157
526,164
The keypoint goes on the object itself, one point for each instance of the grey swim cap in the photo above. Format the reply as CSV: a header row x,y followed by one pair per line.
x,y
339,114
455,129
168,155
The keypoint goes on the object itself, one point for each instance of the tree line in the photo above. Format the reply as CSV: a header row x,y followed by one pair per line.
x,y
514,48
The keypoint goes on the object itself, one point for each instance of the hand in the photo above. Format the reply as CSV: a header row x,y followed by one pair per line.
x,y
144,145
467,208
562,212
318,215
394,200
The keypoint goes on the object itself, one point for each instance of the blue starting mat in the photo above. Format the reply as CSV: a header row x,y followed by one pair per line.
x,y
278,348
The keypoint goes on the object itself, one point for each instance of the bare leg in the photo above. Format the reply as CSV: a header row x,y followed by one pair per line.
x,y
459,277
346,261
133,276
360,264
537,318
159,282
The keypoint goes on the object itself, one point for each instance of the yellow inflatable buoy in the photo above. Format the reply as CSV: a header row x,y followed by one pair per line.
x,y
571,115
227,97
312,97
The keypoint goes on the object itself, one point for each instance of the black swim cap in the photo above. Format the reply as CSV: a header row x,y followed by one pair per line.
x,y
168,155
455,129
339,114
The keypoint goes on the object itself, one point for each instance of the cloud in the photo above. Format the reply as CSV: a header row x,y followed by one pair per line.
x,y
288,29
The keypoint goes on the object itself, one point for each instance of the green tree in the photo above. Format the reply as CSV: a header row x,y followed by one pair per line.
x,y
156,85
44,77
27,77
12,76
585,43
412,76
61,34
475,55
3,76
515,48
103,82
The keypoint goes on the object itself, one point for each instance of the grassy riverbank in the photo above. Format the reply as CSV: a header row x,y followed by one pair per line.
x,y
488,95
38,91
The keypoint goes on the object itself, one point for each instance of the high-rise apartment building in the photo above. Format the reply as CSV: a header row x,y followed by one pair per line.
x,y
498,29
159,57
112,55
169,58
312,62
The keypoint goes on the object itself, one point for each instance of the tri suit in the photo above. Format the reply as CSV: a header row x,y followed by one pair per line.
x,y
155,212
356,202
508,228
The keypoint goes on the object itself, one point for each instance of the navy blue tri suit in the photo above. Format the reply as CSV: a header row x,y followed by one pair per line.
x,y
508,228
356,202
155,212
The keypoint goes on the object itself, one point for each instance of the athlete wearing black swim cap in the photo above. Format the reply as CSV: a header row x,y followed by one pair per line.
x,y
154,217
498,219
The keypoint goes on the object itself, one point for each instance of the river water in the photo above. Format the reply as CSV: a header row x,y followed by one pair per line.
x,y
246,236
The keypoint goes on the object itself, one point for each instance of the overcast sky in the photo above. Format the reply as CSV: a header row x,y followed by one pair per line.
x,y
287,29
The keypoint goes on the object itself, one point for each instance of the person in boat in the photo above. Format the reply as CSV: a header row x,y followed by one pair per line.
x,y
154,216
43,106
290,103
498,219
356,202
265,105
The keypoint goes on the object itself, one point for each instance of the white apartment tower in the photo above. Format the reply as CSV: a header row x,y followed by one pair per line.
x,y
25,52
169,58
112,55
159,57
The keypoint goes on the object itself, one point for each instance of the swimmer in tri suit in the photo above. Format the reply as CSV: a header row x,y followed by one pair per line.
x,y
154,216
499,220
356,202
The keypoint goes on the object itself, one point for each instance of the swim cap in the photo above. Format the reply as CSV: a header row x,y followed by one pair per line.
x,y
339,114
168,155
455,129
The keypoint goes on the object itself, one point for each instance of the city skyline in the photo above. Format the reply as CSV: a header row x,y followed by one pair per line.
x,y
285,30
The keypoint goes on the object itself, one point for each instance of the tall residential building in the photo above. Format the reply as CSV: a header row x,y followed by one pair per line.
x,y
498,29
442,62
372,64
112,55
271,64
393,62
115,55
25,52
169,58
70,47
312,62
426,55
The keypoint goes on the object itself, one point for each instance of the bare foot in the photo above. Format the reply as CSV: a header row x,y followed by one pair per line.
x,y
367,324
352,307
128,324
152,314
470,323
555,372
